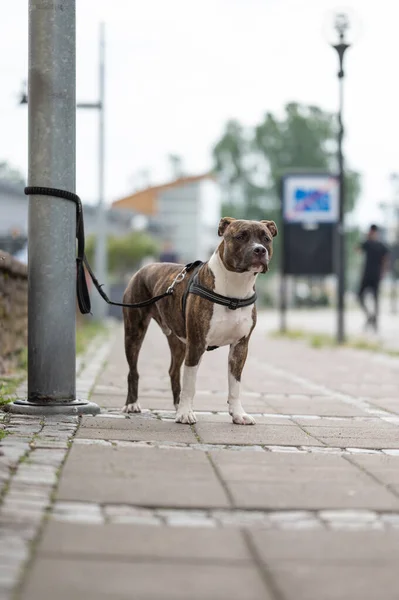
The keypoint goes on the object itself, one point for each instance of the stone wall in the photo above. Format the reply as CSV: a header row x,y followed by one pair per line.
x,y
13,310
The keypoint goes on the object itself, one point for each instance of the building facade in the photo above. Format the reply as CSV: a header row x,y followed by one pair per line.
x,y
186,213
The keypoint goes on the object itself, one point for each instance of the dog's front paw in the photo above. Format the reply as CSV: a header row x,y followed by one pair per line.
x,y
133,407
188,417
243,419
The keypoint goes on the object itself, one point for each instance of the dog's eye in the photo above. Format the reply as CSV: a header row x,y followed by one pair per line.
x,y
267,239
241,236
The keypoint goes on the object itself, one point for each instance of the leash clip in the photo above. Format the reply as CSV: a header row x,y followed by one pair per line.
x,y
176,280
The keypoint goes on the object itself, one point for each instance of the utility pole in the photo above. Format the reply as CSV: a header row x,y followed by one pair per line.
x,y
52,221
341,26
100,307
100,257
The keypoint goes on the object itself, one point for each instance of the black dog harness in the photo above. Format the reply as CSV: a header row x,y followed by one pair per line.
x,y
194,287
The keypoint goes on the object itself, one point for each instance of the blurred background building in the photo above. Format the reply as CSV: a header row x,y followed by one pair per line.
x,y
185,211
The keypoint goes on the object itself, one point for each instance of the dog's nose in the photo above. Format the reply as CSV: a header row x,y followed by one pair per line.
x,y
259,250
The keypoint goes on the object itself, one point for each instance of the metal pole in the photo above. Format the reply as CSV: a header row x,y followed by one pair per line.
x,y
100,262
283,303
341,221
341,26
52,222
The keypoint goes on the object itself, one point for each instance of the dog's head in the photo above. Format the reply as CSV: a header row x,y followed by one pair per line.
x,y
247,245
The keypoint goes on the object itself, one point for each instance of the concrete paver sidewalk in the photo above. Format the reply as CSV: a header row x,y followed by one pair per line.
x,y
303,506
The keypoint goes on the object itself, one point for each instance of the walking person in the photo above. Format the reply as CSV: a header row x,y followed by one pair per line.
x,y
375,266
168,254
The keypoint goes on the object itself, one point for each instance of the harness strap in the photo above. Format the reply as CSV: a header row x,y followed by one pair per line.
x,y
194,287
232,303
196,267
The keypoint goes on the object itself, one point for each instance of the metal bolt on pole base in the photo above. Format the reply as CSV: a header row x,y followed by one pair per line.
x,y
76,408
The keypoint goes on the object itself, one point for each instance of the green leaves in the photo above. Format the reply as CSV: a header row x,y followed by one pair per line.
x,y
250,162
124,252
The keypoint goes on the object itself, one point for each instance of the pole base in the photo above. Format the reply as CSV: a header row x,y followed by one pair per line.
x,y
75,407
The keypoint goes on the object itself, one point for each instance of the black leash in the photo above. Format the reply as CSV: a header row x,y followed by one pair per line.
x,y
81,260
194,287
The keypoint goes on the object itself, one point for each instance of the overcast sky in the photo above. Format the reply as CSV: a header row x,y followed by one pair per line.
x,y
178,69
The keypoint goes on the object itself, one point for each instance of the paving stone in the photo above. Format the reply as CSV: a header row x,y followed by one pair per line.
x,y
326,546
18,515
32,503
97,580
390,519
224,417
313,496
109,399
140,476
285,467
188,521
357,434
390,404
300,581
355,525
364,516
135,429
49,443
242,518
384,468
35,477
319,405
47,457
299,481
78,512
220,433
143,542
9,575
131,514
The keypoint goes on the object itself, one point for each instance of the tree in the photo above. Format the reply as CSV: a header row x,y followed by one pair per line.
x,y
9,173
124,252
250,163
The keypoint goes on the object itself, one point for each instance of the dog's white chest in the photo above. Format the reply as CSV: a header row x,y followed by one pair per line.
x,y
228,326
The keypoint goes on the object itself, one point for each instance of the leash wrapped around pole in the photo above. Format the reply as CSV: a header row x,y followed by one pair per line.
x,y
81,260
194,287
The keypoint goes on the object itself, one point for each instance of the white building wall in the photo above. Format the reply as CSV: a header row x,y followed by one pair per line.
x,y
178,214
189,216
210,203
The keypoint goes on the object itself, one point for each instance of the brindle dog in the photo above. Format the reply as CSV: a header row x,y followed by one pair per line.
x,y
245,251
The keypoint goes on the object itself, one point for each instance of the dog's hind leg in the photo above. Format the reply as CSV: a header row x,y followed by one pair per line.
x,y
136,325
177,351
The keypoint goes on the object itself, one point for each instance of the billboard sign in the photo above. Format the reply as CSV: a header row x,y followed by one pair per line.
x,y
310,198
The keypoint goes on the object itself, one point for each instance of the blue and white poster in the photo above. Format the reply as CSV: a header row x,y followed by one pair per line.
x,y
310,198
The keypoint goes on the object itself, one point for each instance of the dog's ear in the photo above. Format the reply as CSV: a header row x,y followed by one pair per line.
x,y
224,223
272,227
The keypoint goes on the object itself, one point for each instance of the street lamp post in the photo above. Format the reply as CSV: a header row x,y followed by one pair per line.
x,y
341,26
